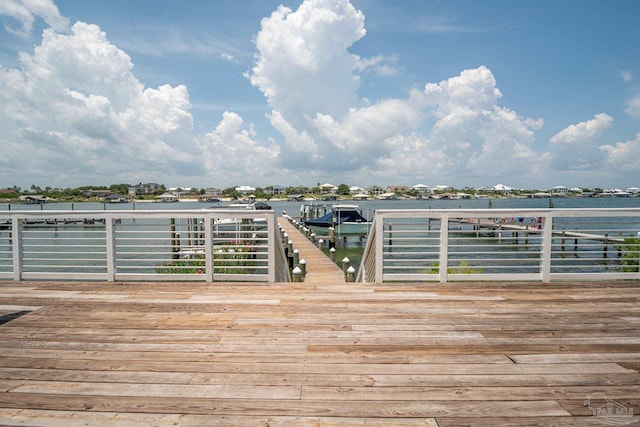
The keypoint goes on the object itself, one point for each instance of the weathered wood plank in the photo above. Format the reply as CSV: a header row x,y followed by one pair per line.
x,y
47,418
392,380
516,421
393,409
466,393
177,391
327,353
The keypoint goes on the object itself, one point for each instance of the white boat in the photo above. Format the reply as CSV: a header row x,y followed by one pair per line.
x,y
346,220
239,227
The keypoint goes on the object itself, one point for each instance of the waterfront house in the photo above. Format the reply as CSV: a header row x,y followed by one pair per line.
x,y
421,188
275,190
211,195
559,190
633,190
400,189
501,187
180,191
375,190
245,189
328,188
356,190
143,189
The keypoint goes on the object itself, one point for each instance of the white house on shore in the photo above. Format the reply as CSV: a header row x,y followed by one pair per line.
x,y
559,189
501,187
245,189
328,188
421,188
356,190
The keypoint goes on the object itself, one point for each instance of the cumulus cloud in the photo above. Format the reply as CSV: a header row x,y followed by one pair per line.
x,y
24,13
310,78
633,107
232,151
575,147
303,66
75,110
623,156
584,131
472,136
76,103
381,65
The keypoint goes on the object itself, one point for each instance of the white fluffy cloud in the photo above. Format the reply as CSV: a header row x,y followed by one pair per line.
x,y
575,147
23,13
633,107
310,78
584,131
74,110
232,151
623,156
303,66
472,136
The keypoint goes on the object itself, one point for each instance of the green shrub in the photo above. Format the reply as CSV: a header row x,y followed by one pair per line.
x,y
462,268
231,258
630,258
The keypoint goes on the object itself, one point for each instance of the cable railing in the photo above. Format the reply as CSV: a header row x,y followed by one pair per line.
x,y
205,245
502,244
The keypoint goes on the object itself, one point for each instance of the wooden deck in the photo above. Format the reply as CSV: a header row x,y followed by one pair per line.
x,y
318,353
323,354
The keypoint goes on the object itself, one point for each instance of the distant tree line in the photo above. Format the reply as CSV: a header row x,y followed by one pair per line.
x,y
84,192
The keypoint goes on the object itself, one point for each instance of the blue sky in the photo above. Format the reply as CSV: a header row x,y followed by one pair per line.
x,y
530,94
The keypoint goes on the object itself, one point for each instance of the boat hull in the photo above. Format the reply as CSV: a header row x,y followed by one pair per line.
x,y
344,229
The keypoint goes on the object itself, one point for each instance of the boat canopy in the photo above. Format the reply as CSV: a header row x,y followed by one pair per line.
x,y
341,216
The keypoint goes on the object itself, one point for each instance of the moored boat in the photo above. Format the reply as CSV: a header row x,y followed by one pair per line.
x,y
345,219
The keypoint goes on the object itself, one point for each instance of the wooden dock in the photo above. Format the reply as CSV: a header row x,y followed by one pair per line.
x,y
320,269
497,226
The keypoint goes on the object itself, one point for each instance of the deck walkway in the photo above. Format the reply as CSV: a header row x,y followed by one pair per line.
x,y
327,354
320,269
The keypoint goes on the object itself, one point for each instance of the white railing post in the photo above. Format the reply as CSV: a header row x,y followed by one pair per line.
x,y
379,250
111,248
547,237
271,250
16,236
444,248
208,248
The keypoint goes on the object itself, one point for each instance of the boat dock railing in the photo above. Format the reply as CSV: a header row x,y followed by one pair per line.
x,y
204,245
502,244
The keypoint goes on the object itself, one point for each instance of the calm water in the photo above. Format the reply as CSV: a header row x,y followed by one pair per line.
x,y
293,208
